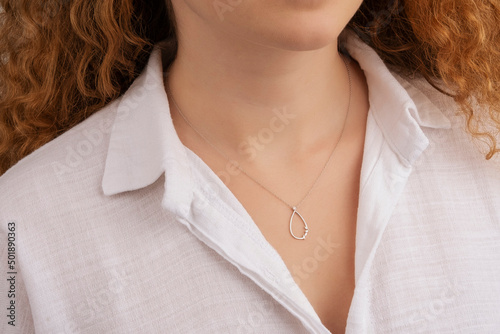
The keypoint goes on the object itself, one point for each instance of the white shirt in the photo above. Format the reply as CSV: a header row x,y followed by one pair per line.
x,y
121,229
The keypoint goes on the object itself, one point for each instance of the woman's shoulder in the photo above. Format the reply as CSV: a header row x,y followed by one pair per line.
x,y
61,168
449,140
422,91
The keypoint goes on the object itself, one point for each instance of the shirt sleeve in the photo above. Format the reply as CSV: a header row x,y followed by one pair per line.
x,y
16,314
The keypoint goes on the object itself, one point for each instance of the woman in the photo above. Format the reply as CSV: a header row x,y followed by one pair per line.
x,y
208,166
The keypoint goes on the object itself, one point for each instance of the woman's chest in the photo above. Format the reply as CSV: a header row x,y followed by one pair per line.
x,y
322,265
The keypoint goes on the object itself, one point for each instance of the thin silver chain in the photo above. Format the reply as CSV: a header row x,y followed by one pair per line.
x,y
251,177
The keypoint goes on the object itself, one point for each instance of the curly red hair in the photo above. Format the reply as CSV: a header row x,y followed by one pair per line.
x,y
63,60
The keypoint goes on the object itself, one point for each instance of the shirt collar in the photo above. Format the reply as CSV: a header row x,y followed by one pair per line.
x,y
399,108
144,144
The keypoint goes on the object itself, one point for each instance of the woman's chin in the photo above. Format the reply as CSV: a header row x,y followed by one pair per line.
x,y
306,4
301,38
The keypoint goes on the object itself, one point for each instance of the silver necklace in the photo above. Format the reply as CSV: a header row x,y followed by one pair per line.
x,y
294,208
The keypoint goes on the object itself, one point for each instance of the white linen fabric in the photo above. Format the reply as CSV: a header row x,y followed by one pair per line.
x,y
119,228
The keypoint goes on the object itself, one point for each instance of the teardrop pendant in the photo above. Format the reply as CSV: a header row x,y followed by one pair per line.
x,y
306,228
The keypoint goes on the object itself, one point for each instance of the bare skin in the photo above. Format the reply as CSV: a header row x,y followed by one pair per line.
x,y
228,78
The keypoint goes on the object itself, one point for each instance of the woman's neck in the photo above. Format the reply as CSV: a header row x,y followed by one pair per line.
x,y
232,90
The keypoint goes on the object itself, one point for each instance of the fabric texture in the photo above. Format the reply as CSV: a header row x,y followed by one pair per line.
x,y
121,229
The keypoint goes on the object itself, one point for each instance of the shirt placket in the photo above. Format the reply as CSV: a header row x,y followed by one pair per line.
x,y
220,221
